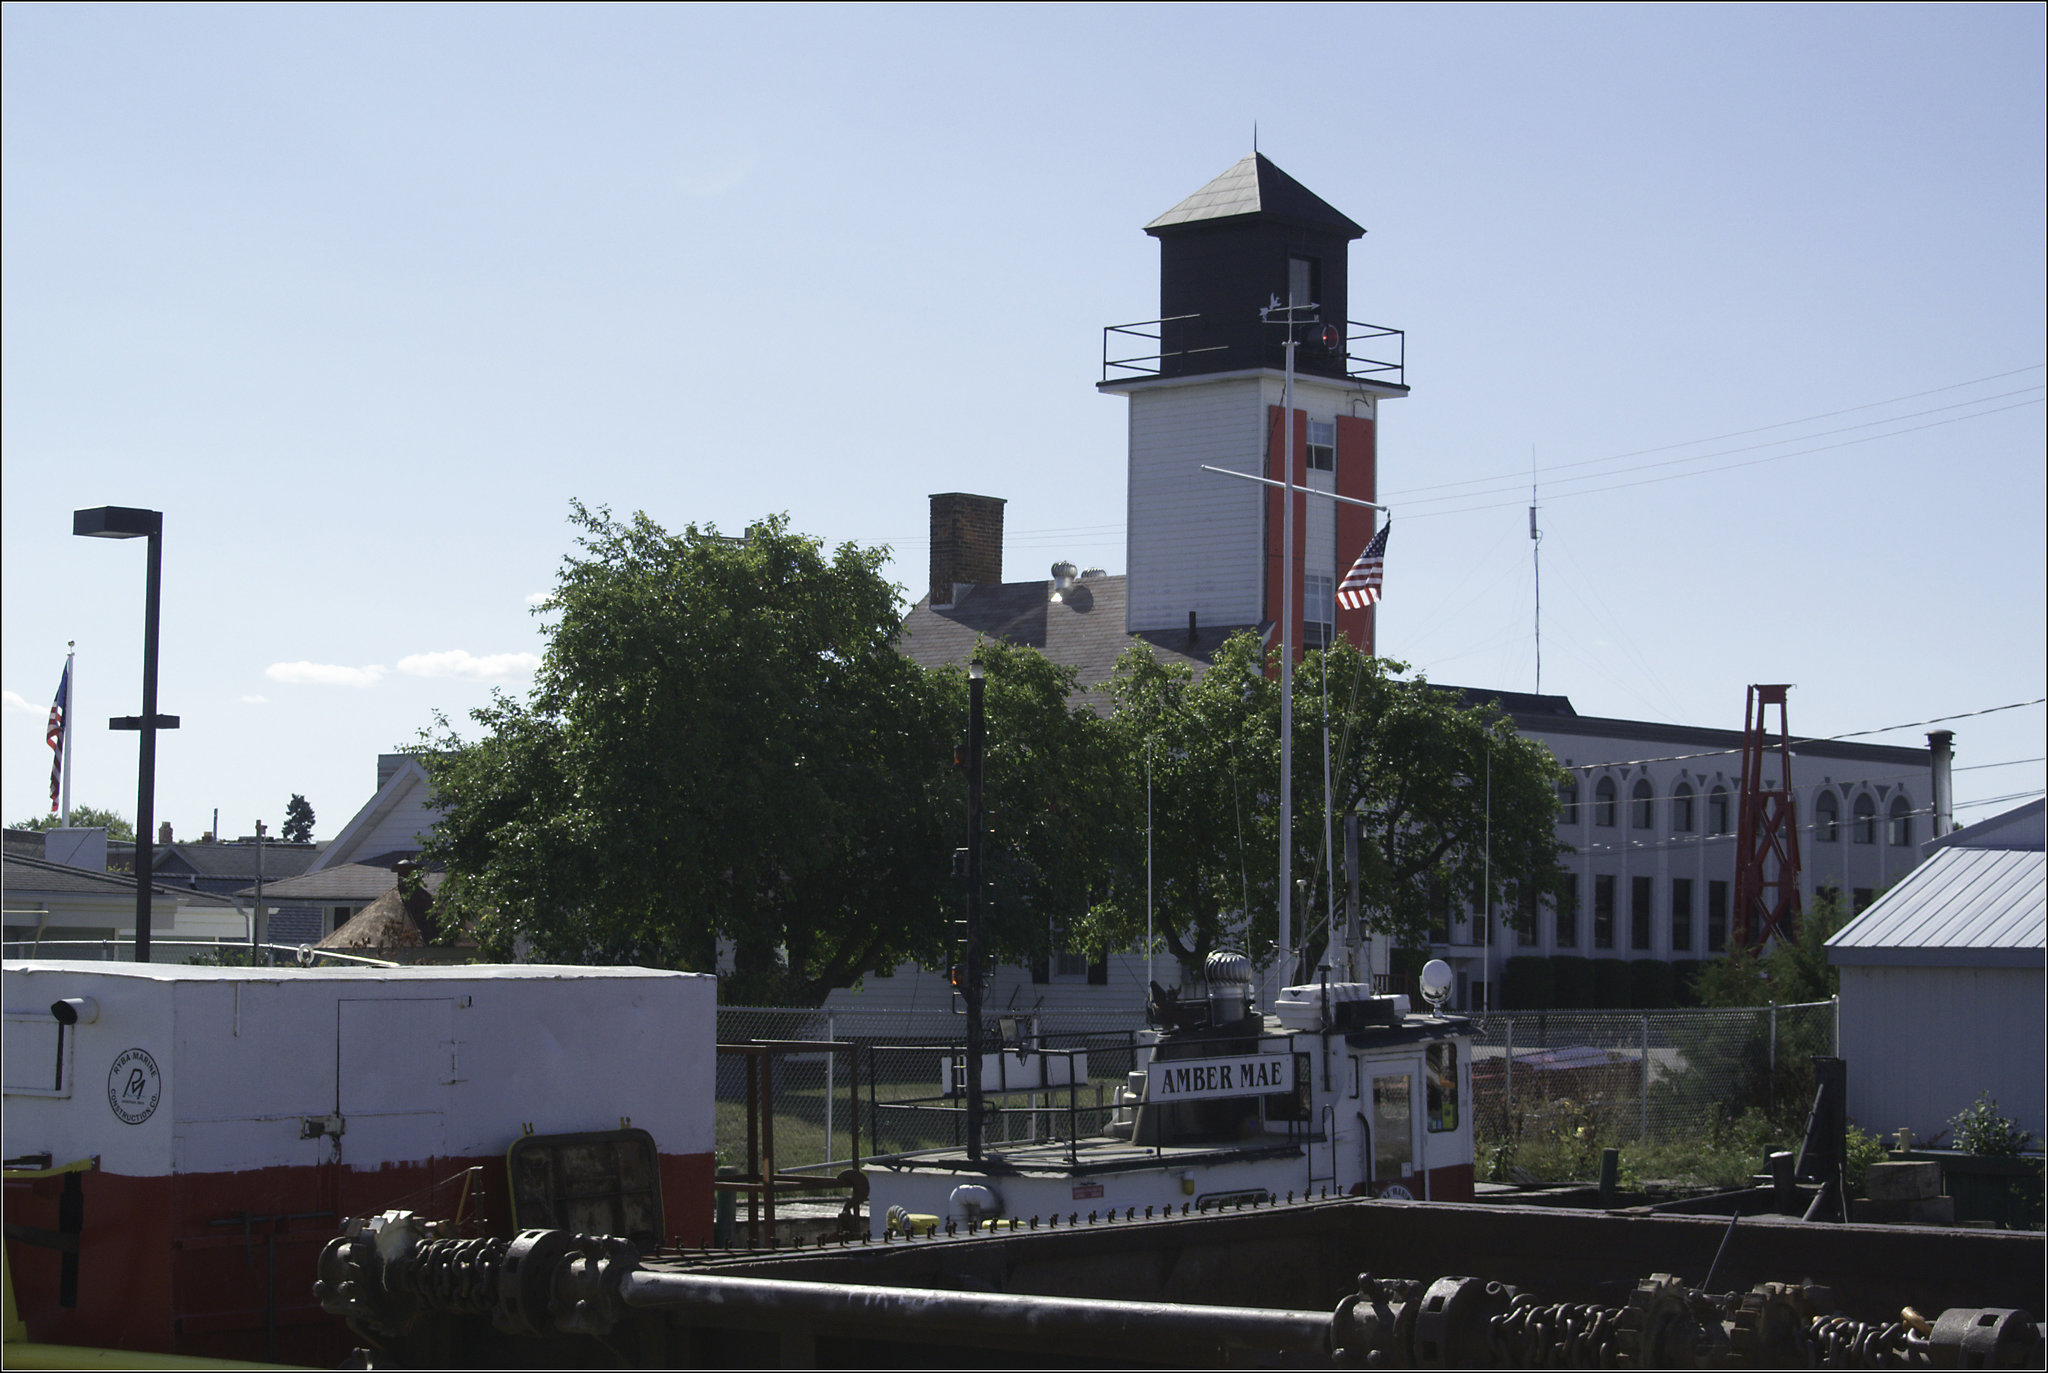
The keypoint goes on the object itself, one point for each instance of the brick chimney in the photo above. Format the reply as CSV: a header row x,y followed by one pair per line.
x,y
967,542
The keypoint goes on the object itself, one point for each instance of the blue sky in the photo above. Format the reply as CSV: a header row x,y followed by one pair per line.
x,y
362,297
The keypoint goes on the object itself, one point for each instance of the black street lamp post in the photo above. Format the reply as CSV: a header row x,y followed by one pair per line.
x,y
124,522
970,981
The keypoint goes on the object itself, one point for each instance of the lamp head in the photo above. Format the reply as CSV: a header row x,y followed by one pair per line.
x,y
116,522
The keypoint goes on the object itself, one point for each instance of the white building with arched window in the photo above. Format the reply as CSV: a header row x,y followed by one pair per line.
x,y
1649,812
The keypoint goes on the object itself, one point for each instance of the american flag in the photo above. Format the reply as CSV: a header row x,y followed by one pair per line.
x,y
1361,585
59,708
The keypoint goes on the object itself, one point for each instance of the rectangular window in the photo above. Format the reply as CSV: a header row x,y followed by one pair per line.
x,y
1392,1148
1864,896
1072,964
1568,913
1640,892
1442,1082
1681,915
1301,280
1439,914
1717,916
1528,912
1603,911
1318,608
1322,446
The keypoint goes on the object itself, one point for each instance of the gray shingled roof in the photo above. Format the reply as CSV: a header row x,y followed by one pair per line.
x,y
349,882
27,876
235,860
1983,908
1084,630
1254,186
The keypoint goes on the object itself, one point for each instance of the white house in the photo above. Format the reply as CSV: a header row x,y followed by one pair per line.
x,y
1943,982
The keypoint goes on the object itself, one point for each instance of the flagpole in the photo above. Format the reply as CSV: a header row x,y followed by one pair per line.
x,y
1285,965
70,708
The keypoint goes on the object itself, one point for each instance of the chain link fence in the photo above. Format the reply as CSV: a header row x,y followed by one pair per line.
x,y
1578,1080
1636,1076
902,1063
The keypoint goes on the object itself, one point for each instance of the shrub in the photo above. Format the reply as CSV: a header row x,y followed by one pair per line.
x,y
1528,983
1571,982
1610,984
1980,1128
1651,986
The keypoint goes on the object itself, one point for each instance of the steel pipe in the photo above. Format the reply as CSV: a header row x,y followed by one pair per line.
x,y
919,1313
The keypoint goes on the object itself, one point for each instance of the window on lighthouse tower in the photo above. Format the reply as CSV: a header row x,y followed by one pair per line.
x,y
1301,281
1322,446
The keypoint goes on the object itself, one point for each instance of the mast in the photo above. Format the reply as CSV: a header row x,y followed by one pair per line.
x,y
70,710
1536,556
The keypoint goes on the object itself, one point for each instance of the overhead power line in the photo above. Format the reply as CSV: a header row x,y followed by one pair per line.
x,y
1797,742
1725,467
1740,433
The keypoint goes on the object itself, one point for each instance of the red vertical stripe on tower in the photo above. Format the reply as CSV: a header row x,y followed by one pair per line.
x,y
1275,535
1358,478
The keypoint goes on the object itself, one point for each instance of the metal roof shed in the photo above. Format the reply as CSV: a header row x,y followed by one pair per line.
x,y
1943,988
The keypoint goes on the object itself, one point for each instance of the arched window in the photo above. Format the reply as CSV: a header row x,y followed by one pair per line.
x,y
1827,817
1568,802
1681,809
1902,822
1642,805
1865,827
1604,803
1717,812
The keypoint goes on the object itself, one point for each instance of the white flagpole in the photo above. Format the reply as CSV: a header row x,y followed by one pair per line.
x,y
70,709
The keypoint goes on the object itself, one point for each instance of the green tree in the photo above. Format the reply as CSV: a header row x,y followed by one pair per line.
x,y
721,742
298,821
1413,761
1055,799
1789,972
84,817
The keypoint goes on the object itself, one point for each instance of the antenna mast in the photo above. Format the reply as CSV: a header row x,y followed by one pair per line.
x,y
1536,555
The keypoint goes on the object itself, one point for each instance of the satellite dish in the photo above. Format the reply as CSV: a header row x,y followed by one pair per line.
x,y
1436,984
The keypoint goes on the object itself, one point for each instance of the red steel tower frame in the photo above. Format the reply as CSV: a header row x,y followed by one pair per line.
x,y
1766,830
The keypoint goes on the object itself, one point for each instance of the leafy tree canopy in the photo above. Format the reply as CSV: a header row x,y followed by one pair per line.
x,y
83,817
1413,761
1788,972
298,821
723,742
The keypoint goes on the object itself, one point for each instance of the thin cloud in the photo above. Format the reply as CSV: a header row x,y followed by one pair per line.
x,y
539,597
16,703
326,674
255,700
460,663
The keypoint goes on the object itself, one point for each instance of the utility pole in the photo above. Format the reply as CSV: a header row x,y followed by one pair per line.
x,y
259,919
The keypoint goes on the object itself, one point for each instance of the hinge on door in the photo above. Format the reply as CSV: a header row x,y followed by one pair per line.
x,y
313,1127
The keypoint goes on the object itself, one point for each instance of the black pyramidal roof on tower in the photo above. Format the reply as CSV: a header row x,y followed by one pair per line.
x,y
1254,187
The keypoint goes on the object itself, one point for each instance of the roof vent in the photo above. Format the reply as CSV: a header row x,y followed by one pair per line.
x,y
1062,580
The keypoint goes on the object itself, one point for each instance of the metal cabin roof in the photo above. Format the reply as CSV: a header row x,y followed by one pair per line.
x,y
1972,908
1254,186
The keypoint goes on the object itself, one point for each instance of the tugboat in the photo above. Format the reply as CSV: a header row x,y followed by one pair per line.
x,y
1339,1091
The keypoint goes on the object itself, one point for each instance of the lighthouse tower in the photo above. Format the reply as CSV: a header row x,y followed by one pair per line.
x,y
1205,383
